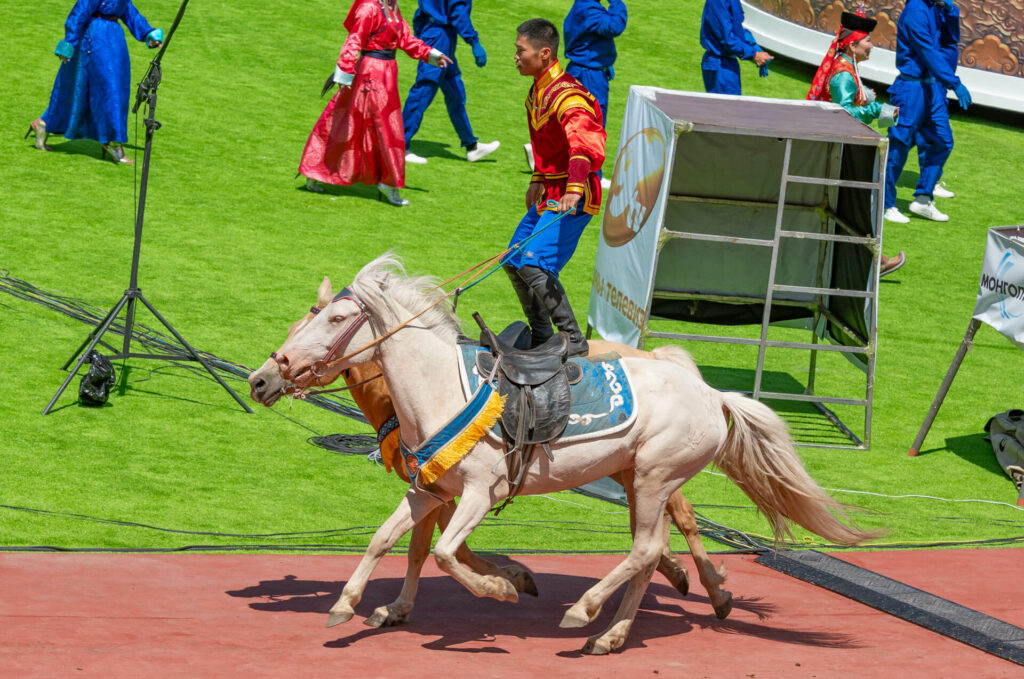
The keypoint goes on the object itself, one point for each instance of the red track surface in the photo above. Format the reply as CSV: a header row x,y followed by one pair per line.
x,y
161,616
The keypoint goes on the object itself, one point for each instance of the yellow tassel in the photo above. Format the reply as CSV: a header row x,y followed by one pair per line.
x,y
391,455
456,449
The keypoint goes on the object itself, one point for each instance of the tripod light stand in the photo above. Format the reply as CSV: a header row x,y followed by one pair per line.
x,y
146,93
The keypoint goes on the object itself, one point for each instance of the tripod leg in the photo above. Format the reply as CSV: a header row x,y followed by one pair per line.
x,y
96,336
98,332
195,355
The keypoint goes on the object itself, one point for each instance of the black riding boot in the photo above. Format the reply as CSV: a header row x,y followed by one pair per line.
x,y
551,293
536,315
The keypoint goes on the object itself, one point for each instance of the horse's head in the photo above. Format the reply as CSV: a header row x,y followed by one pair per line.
x,y
288,370
379,301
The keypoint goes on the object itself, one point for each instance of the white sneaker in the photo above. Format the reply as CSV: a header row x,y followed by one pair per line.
x,y
893,214
313,185
411,157
529,155
940,191
482,151
922,207
391,195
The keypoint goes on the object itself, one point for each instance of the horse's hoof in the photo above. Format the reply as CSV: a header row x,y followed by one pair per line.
x,y
508,591
574,618
338,618
682,581
723,609
595,647
383,617
528,585
521,579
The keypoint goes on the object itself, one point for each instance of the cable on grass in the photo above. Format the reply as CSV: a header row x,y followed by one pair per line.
x,y
157,342
346,444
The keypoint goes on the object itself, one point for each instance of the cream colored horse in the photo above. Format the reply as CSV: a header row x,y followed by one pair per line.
x,y
371,395
681,425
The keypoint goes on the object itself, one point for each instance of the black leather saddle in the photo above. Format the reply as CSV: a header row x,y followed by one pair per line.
x,y
534,382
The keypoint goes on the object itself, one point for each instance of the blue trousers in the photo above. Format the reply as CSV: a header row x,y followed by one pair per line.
x,y
924,117
725,79
429,79
596,82
553,247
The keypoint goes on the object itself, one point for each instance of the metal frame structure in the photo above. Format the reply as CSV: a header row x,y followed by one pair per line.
x,y
833,229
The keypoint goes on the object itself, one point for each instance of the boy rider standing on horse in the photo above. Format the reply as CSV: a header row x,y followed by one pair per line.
x,y
567,134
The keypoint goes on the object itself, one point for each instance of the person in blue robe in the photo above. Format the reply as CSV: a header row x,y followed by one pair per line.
x,y
440,23
949,44
926,71
589,32
90,94
725,42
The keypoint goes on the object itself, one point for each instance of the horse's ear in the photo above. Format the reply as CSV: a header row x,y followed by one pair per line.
x,y
323,295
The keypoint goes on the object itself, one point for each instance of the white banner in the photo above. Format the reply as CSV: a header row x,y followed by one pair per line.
x,y
1001,289
633,214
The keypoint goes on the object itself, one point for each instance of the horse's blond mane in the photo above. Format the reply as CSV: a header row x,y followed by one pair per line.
x,y
382,284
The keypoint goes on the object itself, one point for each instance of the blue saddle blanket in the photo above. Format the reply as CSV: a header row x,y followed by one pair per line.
x,y
602,401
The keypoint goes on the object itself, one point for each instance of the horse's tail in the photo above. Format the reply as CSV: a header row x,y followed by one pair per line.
x,y
679,356
759,456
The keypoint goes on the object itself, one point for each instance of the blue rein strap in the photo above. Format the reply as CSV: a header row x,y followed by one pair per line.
x,y
551,205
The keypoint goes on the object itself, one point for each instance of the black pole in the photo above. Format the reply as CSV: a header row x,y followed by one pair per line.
x,y
940,396
146,93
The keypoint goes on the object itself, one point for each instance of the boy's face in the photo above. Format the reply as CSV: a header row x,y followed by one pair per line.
x,y
530,61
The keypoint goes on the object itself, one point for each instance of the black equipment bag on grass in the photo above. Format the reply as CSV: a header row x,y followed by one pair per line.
x,y
1006,434
94,389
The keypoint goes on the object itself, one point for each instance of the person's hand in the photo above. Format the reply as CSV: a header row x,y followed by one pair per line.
x,y
443,61
568,201
762,58
534,194
479,54
963,96
154,43
63,59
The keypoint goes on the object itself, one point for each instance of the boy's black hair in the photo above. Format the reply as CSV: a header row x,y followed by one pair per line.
x,y
540,33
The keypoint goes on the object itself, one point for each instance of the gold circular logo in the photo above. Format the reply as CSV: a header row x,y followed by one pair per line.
x,y
636,183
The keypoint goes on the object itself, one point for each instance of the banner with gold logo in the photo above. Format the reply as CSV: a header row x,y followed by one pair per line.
x,y
634,210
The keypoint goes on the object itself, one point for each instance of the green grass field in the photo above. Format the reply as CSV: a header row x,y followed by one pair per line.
x,y
234,250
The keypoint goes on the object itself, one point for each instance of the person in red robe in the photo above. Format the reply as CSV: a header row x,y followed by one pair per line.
x,y
359,137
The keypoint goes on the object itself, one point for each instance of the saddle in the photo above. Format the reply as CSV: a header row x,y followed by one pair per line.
x,y
534,382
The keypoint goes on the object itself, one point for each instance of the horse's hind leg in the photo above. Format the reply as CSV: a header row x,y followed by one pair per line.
x,y
413,508
668,565
681,511
419,547
647,546
467,516
615,636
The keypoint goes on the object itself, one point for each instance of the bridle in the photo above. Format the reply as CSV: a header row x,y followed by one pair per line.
x,y
321,367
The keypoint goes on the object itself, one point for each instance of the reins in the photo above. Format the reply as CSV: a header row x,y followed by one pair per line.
x,y
326,363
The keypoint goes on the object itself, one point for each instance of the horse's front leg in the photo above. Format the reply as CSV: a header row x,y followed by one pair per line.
x,y
519,576
419,547
470,512
413,508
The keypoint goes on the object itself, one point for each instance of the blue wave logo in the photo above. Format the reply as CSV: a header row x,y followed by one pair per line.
x,y
1001,285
